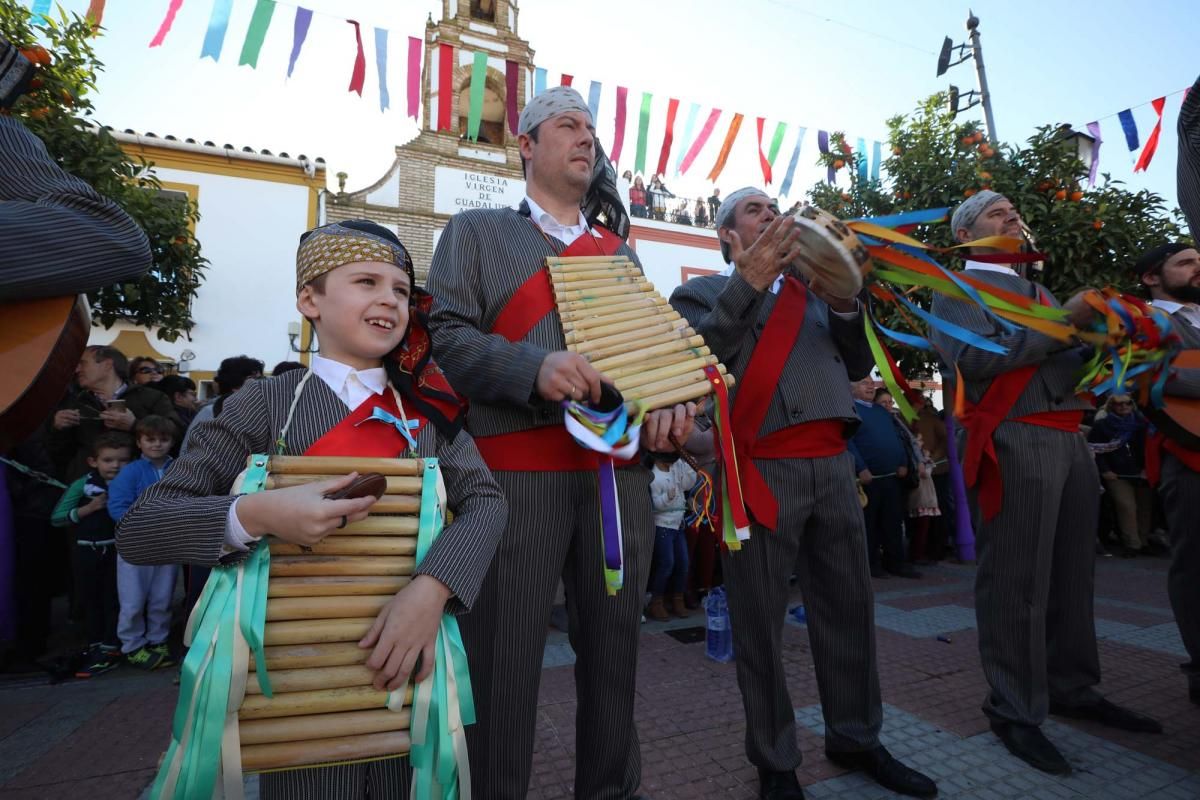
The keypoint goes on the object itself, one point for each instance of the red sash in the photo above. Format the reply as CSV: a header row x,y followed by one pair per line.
x,y
816,439
549,448
375,438
1156,443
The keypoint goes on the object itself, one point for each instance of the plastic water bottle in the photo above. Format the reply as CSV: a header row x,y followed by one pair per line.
x,y
719,641
799,614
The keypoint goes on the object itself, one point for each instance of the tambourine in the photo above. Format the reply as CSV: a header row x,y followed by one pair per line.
x,y
831,252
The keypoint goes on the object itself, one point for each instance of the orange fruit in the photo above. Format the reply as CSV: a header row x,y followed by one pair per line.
x,y
1097,224
35,84
896,151
36,55
985,176
966,140
968,192
846,197
838,164
1061,194
1076,196
39,113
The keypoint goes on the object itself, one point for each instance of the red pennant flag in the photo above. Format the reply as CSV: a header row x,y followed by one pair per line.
x,y
619,139
762,157
511,73
672,108
445,81
360,62
566,79
1152,140
95,13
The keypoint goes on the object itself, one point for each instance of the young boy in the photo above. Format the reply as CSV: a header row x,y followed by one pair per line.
x,y
94,554
145,592
355,282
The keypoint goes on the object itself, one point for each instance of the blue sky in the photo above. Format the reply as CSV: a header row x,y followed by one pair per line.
x,y
838,67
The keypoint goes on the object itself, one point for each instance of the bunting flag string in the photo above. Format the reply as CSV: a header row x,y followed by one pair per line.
x,y
735,125
776,141
763,161
381,38
445,82
478,81
414,75
1151,140
619,121
861,151
359,74
1094,131
1130,128
668,136
795,159
823,146
299,34
512,72
686,141
218,22
594,100
701,140
164,27
876,158
260,20
639,161
539,81
567,79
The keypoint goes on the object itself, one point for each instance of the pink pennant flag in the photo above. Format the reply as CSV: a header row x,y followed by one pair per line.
x,y
619,138
701,139
360,62
165,27
414,75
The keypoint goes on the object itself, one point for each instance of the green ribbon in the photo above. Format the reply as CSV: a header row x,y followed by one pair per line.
x,y
776,142
478,81
639,163
259,22
885,370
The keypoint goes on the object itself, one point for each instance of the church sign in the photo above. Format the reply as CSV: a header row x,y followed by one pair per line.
x,y
457,190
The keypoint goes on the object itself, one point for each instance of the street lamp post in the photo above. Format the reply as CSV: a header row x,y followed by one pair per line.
x,y
982,97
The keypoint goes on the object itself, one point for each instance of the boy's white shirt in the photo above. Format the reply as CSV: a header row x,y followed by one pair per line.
x,y
352,387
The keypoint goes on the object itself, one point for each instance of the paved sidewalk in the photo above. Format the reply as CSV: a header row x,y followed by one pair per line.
x,y
102,739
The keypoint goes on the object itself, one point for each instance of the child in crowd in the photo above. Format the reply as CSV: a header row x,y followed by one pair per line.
x,y
356,283
668,494
145,592
94,554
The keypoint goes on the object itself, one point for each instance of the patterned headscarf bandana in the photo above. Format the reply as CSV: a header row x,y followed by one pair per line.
x,y
354,241
551,103
972,208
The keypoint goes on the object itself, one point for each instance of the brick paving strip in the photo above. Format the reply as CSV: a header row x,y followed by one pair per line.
x,y
103,739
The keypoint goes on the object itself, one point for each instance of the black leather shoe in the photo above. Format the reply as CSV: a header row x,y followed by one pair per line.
x,y
1028,743
1110,714
779,785
886,771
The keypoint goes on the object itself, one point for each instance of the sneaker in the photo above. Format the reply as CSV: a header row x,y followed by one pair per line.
x,y
144,658
163,650
97,661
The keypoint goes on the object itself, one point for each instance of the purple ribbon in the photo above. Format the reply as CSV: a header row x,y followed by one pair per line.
x,y
1094,131
609,514
299,34
964,535
823,146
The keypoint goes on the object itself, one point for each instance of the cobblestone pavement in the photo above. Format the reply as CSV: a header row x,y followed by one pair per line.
x,y
102,739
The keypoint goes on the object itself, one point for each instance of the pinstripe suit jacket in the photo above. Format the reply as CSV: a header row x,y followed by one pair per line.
x,y
1187,170
182,517
1185,382
829,352
482,258
1053,385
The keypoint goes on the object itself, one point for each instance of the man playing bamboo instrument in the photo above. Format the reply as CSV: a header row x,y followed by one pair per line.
x,y
794,348
1035,486
494,318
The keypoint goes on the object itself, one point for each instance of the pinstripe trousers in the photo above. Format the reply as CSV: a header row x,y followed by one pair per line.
x,y
554,530
821,534
386,779
1035,582
1179,488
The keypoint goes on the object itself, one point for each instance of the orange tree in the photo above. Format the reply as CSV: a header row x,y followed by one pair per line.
x,y
1091,236
58,109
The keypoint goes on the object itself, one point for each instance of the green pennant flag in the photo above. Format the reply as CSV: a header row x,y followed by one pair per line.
x,y
639,163
478,79
259,22
776,141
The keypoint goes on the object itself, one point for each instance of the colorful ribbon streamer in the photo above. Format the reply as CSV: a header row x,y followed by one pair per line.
x,y
639,161
260,20
164,27
478,83
218,22
512,72
594,90
735,523
786,187
1094,130
1152,140
299,34
95,13
539,81
668,137
619,122
735,125
763,161
876,158
776,142
1130,128
381,56
42,7
860,150
823,146
701,140
684,143
445,85
359,74
414,76
964,535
